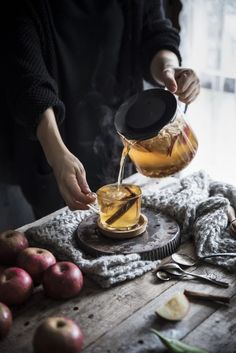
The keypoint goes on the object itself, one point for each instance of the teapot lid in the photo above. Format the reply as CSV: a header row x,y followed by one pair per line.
x,y
143,115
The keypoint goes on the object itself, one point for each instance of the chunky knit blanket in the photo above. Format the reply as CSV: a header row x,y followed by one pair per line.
x,y
196,202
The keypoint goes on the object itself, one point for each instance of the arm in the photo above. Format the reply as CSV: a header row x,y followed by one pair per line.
x,y
68,170
158,34
34,103
180,81
30,89
160,55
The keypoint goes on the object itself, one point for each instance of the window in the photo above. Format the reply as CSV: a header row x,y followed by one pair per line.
x,y
208,45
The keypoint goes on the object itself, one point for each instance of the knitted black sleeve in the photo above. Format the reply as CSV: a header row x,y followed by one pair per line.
x,y
30,89
158,34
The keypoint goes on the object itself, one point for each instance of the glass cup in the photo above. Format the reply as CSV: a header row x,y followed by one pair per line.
x,y
119,206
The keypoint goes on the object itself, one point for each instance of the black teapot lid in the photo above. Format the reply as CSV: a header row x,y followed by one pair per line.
x,y
143,115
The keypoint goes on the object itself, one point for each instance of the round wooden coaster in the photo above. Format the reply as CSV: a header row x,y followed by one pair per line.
x,y
161,238
124,234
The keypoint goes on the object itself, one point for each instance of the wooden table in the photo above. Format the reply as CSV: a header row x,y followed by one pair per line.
x,y
118,320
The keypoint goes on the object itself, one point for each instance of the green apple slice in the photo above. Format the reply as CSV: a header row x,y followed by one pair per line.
x,y
174,309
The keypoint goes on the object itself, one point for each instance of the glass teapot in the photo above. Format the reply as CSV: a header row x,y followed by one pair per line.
x,y
155,134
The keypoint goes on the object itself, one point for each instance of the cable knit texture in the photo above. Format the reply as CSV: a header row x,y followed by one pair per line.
x,y
58,236
196,202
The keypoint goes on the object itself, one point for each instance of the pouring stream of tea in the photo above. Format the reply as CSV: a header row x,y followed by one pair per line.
x,y
122,164
125,152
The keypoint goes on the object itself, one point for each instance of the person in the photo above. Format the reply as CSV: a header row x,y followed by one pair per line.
x,y
68,65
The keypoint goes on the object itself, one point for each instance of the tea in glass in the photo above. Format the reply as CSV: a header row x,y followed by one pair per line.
x,y
119,206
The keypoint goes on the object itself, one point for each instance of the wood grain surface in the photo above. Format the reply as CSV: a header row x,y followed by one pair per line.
x,y
118,319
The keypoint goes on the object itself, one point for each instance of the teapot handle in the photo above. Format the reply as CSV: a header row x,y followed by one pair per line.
x,y
180,107
185,106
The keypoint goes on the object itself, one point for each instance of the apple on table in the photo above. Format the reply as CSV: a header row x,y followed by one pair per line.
x,y
63,280
35,261
16,286
5,320
58,335
12,242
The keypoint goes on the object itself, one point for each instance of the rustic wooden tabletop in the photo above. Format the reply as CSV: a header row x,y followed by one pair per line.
x,y
117,320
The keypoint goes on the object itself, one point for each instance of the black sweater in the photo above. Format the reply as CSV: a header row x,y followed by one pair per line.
x,y
32,75
32,78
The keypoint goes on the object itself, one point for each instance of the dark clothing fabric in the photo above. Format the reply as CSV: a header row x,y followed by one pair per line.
x,y
87,39
83,58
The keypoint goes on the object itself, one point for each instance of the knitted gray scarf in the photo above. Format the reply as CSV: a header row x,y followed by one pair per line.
x,y
196,202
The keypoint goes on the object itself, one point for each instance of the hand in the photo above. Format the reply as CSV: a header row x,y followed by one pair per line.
x,y
72,183
68,170
182,82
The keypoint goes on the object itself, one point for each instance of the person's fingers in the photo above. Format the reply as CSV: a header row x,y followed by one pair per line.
x,y
179,71
75,205
72,187
169,79
188,85
191,97
192,87
184,78
184,81
71,180
79,206
75,192
71,202
81,178
92,196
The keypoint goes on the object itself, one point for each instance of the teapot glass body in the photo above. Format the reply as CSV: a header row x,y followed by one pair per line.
x,y
171,150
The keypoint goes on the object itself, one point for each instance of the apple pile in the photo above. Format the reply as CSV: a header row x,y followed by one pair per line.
x,y
29,266
59,335
61,280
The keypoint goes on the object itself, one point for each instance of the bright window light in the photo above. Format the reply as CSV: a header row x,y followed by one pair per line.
x,y
208,45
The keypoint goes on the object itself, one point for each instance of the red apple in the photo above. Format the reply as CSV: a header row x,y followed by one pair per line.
x,y
16,286
63,280
58,335
5,320
11,244
35,261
